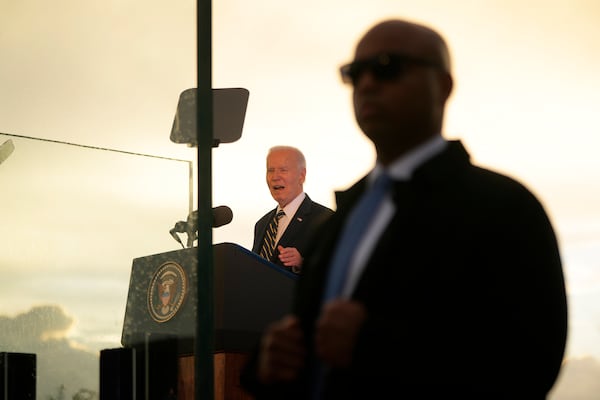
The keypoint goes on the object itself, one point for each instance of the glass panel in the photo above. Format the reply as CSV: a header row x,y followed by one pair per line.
x,y
109,73
73,219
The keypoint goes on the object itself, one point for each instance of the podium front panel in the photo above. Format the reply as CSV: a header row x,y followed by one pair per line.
x,y
249,293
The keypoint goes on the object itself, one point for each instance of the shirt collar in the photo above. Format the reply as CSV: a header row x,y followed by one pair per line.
x,y
291,208
404,166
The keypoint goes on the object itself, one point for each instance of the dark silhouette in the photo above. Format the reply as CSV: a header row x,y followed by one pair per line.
x,y
456,291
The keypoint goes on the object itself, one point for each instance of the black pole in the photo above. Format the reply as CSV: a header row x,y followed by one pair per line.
x,y
204,342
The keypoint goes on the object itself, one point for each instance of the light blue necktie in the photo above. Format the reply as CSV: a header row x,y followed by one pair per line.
x,y
354,229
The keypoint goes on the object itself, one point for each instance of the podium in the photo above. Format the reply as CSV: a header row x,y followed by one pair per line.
x,y
160,318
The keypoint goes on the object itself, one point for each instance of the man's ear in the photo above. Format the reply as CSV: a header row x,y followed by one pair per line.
x,y
446,85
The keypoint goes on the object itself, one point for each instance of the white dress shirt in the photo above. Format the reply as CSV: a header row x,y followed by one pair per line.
x,y
289,210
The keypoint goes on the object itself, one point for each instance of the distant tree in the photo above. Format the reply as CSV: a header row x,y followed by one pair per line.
x,y
85,394
60,394
82,394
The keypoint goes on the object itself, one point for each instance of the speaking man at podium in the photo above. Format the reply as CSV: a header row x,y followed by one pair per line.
x,y
282,234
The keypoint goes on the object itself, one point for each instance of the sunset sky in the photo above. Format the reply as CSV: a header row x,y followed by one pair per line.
x,y
108,74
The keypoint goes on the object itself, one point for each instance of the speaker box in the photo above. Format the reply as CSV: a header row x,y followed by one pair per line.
x,y
17,376
160,367
118,374
148,371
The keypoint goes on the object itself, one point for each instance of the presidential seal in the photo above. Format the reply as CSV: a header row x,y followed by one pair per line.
x,y
167,291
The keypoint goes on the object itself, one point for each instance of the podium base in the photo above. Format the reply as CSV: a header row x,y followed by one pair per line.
x,y
227,368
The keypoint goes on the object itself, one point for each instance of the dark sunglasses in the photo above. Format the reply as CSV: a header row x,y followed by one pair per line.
x,y
383,67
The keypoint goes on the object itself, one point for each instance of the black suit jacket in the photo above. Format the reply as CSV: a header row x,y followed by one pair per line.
x,y
464,292
309,216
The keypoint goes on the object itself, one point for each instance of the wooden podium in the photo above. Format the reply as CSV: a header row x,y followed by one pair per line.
x,y
227,368
160,321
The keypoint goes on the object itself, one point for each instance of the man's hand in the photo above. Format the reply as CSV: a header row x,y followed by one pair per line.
x,y
337,330
290,256
282,351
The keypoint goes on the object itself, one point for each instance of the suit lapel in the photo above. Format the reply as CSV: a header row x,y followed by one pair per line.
x,y
428,180
328,236
296,221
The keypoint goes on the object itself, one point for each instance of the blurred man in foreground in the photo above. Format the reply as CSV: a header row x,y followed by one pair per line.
x,y
454,287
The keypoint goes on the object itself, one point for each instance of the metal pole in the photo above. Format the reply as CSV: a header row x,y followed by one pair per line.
x,y
204,342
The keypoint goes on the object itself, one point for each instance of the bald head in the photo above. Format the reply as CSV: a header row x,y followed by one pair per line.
x,y
407,37
401,78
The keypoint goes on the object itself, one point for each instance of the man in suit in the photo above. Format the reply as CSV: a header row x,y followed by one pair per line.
x,y
455,291
286,173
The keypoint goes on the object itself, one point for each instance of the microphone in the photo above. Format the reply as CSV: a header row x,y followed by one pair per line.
x,y
6,150
221,215
179,227
191,228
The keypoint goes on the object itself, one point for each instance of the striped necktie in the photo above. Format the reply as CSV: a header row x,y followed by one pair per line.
x,y
266,251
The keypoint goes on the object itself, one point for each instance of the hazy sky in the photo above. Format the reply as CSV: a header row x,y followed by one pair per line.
x,y
109,73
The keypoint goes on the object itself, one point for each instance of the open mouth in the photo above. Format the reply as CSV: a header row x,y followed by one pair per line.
x,y
278,187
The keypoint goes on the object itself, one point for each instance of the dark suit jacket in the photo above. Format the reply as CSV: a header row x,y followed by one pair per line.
x,y
303,224
464,292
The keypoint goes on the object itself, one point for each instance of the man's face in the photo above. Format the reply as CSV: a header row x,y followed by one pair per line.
x,y
285,176
403,110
